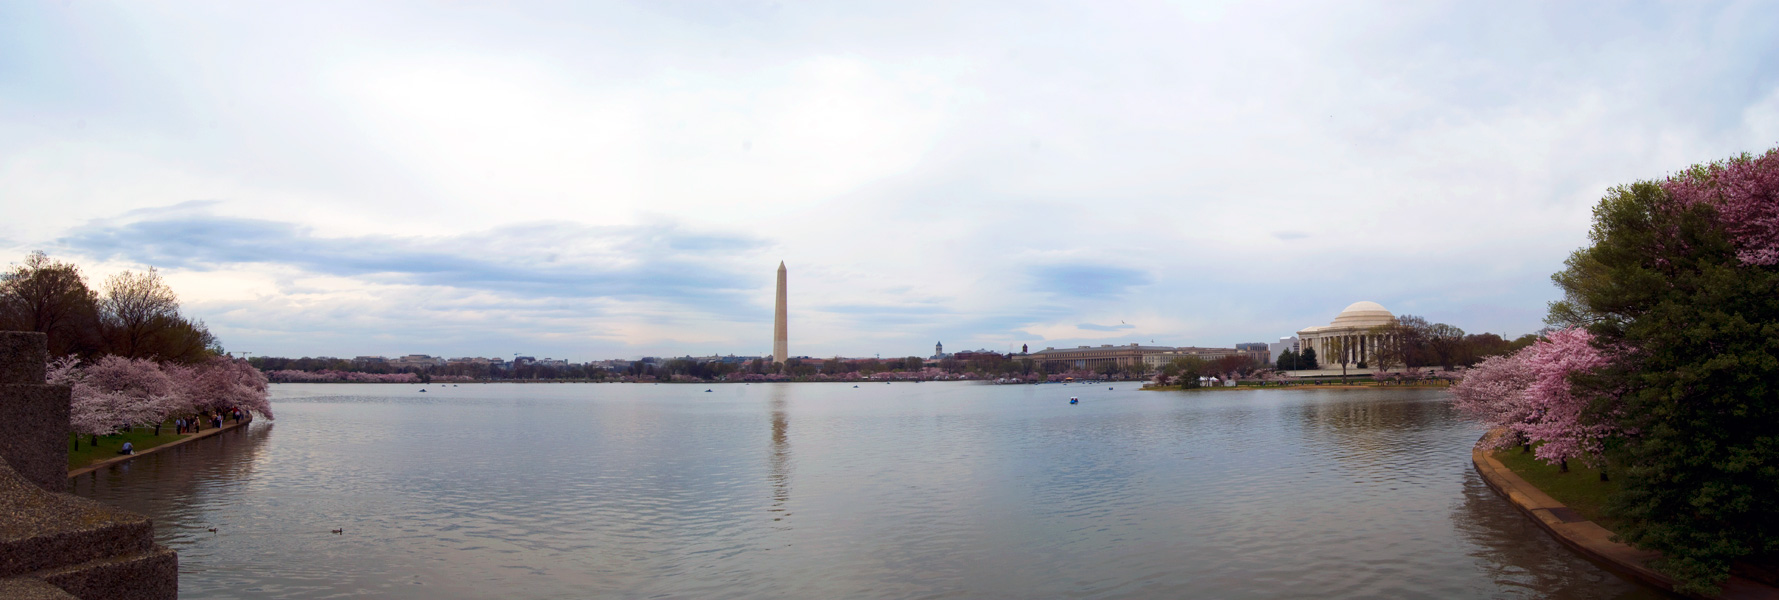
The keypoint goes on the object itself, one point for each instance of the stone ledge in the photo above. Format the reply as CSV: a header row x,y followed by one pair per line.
x,y
149,575
41,530
1588,538
31,588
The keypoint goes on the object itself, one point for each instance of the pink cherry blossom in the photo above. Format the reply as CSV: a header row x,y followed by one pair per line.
x,y
1746,196
1530,393
117,392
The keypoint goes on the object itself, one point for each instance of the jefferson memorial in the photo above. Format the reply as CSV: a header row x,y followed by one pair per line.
x,y
1351,332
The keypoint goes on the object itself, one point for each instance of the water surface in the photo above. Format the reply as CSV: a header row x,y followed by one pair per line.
x,y
929,490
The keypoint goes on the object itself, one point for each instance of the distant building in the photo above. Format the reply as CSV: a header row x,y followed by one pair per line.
x,y
418,361
1087,358
1157,359
1349,339
781,336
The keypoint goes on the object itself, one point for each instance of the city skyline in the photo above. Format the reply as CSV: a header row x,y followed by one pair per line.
x,y
605,181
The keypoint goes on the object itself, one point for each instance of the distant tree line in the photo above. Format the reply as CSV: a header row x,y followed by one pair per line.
x,y
455,372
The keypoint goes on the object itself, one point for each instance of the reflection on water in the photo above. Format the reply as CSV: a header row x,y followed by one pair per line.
x,y
932,490
1516,553
780,458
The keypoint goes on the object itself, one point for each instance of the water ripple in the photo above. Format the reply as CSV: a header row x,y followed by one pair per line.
x,y
822,491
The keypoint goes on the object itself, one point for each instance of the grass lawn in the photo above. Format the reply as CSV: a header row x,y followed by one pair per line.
x,y
141,438
1580,488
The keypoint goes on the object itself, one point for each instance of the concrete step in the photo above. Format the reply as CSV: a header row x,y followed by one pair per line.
x,y
149,575
32,588
43,530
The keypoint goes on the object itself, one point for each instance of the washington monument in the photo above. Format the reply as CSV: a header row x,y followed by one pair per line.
x,y
780,336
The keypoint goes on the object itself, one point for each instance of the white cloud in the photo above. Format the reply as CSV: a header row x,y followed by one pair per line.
x,y
1261,166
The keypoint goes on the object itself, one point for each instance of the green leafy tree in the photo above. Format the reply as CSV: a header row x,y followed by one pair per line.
x,y
1287,360
51,297
1679,290
1307,360
1186,370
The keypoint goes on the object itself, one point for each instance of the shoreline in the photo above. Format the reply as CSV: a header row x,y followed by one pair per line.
x,y
1588,538
1291,386
128,457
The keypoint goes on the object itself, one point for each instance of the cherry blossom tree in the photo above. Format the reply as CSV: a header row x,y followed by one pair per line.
x,y
1494,392
222,383
111,394
1745,192
117,393
1559,416
1531,394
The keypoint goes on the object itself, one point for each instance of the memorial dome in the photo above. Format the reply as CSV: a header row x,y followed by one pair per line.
x,y
1364,314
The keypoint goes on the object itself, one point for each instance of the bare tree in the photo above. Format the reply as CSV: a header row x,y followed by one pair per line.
x,y
1337,347
1389,351
1444,344
135,307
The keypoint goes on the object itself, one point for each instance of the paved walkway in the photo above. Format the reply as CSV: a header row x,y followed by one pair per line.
x,y
226,426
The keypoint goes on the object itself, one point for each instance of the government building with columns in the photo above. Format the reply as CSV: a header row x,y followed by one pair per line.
x,y
1351,332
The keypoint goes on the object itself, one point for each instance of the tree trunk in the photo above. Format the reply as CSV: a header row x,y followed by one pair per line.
x,y
1603,476
1563,466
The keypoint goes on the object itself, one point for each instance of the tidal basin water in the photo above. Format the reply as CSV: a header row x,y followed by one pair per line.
x,y
929,490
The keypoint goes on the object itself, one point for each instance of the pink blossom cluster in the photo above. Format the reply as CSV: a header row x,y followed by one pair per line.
x,y
1530,394
115,392
1746,196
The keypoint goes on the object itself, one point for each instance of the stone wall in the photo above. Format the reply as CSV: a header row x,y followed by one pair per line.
x,y
33,416
52,544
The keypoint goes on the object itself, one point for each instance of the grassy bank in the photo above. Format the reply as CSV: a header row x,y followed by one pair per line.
x,y
140,438
1580,488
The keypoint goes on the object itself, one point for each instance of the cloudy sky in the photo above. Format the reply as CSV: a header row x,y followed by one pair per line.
x,y
585,181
